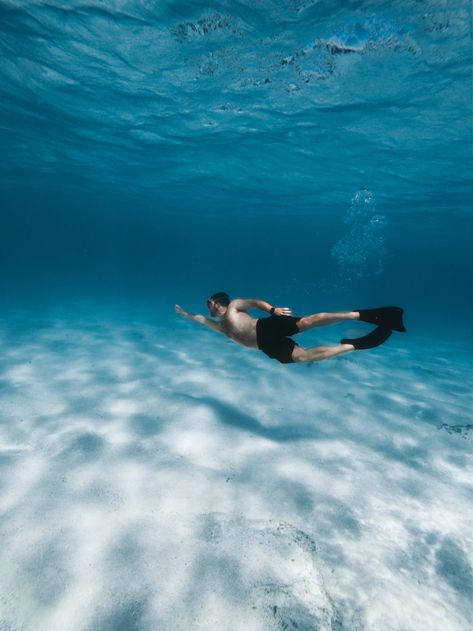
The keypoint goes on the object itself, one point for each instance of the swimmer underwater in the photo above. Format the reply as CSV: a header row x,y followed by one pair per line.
x,y
273,334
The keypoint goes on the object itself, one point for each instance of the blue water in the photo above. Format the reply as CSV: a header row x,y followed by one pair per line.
x,y
312,154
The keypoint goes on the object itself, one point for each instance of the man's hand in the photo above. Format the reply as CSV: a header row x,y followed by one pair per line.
x,y
190,316
212,324
282,311
180,311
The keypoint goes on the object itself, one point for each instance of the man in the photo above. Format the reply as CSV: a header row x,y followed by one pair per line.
x,y
272,335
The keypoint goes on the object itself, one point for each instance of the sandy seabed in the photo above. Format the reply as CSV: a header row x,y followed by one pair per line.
x,y
163,478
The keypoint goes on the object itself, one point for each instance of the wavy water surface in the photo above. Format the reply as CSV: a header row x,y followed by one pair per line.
x,y
265,103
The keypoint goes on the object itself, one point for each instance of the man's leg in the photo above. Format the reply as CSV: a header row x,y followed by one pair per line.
x,y
317,353
323,319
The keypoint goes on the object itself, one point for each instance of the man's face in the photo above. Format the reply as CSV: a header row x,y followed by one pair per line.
x,y
213,308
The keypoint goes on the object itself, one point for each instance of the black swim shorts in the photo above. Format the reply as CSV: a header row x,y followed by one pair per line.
x,y
271,337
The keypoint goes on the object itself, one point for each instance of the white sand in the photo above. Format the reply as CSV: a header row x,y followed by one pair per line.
x,y
156,478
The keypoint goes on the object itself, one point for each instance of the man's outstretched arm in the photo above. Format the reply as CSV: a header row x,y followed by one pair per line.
x,y
212,324
243,304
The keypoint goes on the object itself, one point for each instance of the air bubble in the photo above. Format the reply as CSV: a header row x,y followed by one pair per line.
x,y
361,251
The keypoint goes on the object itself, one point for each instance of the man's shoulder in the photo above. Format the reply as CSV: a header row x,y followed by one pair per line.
x,y
236,303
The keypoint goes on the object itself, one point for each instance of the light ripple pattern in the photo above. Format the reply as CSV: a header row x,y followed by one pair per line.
x,y
296,95
155,478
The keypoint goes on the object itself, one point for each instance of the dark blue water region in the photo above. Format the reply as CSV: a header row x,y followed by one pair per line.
x,y
56,250
315,155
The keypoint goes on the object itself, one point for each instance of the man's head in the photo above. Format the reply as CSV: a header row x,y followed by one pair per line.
x,y
217,303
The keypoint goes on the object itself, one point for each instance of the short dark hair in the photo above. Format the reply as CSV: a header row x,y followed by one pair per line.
x,y
221,297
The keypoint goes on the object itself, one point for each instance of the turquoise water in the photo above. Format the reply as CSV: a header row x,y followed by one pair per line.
x,y
157,476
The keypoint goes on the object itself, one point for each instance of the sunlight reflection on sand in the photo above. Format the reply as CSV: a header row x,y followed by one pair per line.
x,y
159,478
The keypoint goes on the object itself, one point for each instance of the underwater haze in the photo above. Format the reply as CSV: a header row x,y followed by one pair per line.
x,y
155,475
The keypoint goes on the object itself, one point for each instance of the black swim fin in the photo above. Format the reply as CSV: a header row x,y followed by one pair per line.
x,y
375,338
389,317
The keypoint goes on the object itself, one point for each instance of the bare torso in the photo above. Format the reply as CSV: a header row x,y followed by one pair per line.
x,y
239,326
